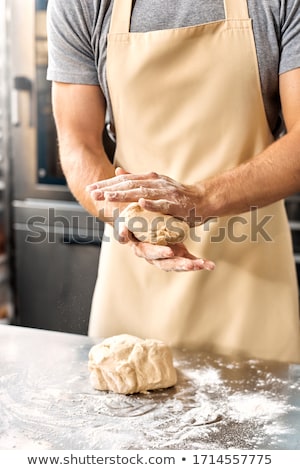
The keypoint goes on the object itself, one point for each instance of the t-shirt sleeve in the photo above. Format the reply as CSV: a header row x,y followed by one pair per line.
x,y
290,36
70,53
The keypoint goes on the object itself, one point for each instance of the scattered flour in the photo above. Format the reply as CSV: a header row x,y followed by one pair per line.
x,y
207,409
255,406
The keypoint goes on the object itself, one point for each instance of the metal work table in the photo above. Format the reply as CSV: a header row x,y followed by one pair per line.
x,y
47,402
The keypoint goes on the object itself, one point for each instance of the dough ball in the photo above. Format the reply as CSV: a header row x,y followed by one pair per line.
x,y
154,227
127,364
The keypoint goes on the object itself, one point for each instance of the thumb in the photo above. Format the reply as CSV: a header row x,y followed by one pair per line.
x,y
120,171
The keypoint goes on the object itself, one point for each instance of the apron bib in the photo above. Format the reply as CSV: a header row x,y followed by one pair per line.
x,y
187,103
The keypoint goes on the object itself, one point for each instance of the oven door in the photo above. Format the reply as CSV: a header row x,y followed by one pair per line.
x,y
36,169
56,261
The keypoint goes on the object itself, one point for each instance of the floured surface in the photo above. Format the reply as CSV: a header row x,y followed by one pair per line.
x,y
47,402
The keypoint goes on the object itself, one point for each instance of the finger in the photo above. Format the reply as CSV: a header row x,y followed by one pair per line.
x,y
120,171
119,178
122,233
180,251
126,190
97,195
132,192
179,264
209,265
151,252
157,205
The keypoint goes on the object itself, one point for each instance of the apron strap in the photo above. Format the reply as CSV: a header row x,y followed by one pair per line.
x,y
120,18
121,13
236,9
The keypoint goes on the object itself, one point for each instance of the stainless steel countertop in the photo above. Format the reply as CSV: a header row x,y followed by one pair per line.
x,y
47,402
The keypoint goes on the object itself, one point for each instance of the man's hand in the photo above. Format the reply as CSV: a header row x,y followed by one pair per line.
x,y
170,258
175,257
153,192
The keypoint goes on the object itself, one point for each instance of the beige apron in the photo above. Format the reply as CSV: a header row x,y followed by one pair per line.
x,y
187,103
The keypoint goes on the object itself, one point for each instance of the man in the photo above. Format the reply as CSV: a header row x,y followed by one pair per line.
x,y
194,92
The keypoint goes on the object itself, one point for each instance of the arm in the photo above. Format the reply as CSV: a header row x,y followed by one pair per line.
x,y
79,112
79,116
270,176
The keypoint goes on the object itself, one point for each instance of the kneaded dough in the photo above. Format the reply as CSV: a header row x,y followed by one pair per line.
x,y
154,227
127,364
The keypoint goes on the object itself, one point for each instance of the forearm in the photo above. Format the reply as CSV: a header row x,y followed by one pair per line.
x,y
82,166
79,112
272,175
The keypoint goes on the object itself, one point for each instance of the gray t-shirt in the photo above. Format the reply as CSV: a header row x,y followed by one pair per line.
x,y
77,31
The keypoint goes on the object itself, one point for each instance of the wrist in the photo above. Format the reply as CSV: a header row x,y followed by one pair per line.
x,y
209,201
225,194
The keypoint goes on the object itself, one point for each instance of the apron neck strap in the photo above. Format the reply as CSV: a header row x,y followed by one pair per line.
x,y
120,17
121,13
236,9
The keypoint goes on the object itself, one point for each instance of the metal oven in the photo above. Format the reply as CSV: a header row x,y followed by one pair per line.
x,y
55,242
